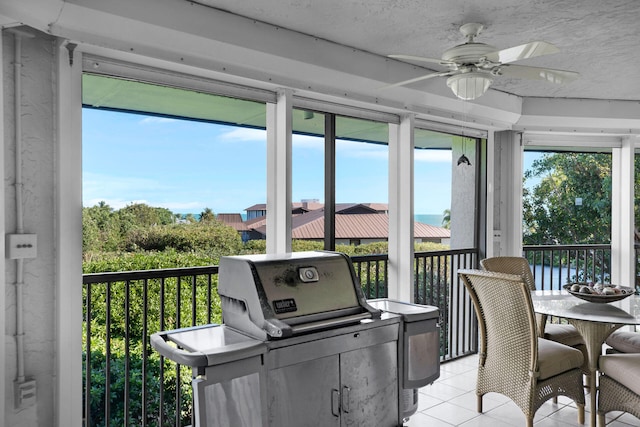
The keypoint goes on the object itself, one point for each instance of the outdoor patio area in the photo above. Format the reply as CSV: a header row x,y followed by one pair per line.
x,y
451,401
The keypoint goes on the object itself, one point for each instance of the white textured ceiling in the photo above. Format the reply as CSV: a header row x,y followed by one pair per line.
x,y
600,39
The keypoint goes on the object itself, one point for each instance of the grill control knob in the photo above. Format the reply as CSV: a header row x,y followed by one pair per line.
x,y
308,274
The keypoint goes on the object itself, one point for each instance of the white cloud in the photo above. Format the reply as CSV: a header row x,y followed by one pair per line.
x,y
260,135
434,156
245,134
361,150
153,120
380,151
109,184
308,141
113,189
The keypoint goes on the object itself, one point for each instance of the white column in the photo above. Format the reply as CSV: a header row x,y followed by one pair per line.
x,y
507,203
279,128
68,361
622,214
401,239
517,173
489,224
504,199
3,280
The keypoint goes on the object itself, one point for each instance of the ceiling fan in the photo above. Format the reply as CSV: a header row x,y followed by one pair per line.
x,y
472,66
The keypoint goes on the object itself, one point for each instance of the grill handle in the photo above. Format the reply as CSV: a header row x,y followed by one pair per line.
x,y
182,357
345,399
335,402
334,323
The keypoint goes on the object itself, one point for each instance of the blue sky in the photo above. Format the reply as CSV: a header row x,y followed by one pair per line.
x,y
186,166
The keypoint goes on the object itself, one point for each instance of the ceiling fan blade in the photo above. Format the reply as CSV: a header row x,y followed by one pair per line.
x,y
536,73
417,79
422,59
524,51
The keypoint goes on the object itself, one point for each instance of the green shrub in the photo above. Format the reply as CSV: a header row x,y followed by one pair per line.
x,y
212,238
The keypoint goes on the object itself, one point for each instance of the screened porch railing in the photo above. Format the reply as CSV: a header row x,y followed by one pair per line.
x,y
127,383
554,266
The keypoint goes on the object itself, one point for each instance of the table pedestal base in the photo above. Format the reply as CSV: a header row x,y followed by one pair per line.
x,y
594,335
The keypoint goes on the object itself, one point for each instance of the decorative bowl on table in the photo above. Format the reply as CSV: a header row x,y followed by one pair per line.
x,y
599,293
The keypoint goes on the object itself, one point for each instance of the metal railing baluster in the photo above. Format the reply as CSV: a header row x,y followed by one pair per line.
x,y
127,355
145,347
107,365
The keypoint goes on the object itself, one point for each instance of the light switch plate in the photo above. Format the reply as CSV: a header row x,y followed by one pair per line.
x,y
21,246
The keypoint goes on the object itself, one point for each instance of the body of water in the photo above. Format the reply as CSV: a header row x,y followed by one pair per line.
x,y
431,219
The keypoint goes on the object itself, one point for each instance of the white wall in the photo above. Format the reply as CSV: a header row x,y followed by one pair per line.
x,y
37,114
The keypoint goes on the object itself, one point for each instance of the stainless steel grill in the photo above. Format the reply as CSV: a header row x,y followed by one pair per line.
x,y
300,346
268,296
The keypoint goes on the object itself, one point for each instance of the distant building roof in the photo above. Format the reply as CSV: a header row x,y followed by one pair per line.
x,y
353,221
301,207
380,207
233,220
257,207
427,231
306,206
255,223
355,226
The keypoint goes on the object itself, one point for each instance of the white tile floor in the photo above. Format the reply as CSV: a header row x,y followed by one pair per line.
x,y
451,401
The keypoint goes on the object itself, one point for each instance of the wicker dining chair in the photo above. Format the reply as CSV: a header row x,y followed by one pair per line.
x,y
562,333
619,388
623,342
513,360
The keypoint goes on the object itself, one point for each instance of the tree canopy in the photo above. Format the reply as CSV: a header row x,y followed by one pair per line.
x,y
141,237
571,202
139,228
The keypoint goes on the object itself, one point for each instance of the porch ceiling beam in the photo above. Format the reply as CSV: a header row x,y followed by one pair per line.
x,y
208,40
580,116
582,141
194,35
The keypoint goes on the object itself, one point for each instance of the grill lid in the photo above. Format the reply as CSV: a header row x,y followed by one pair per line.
x,y
274,296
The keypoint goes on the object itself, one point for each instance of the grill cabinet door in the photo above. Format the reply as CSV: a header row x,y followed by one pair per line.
x,y
369,386
305,394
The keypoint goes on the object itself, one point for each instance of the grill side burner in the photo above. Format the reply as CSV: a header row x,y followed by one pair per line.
x,y
269,296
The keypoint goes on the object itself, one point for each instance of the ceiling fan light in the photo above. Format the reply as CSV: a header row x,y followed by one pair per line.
x,y
470,85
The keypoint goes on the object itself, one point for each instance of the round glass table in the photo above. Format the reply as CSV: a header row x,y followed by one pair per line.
x,y
594,321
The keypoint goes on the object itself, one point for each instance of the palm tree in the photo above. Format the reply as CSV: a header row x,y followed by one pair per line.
x,y
207,215
446,218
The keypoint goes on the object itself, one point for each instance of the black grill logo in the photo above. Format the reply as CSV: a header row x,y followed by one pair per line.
x,y
285,305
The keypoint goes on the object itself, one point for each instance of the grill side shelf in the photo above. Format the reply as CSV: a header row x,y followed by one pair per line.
x,y
206,345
